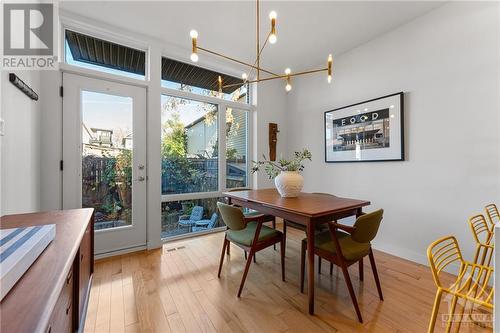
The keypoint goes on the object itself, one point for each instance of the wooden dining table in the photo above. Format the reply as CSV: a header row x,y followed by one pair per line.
x,y
308,209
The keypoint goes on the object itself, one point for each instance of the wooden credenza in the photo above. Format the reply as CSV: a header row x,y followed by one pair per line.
x,y
53,293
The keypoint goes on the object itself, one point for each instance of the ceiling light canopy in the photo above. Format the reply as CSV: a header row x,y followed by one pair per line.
x,y
272,39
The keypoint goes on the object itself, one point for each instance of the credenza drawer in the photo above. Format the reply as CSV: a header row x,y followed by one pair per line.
x,y
61,319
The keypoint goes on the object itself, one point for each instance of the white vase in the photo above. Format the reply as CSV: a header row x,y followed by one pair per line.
x,y
289,183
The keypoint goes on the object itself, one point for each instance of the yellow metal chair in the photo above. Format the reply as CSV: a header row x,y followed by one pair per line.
x,y
493,215
483,236
471,284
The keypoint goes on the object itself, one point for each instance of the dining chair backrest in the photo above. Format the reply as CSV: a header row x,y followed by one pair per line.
x,y
442,253
480,229
493,214
196,213
233,216
366,226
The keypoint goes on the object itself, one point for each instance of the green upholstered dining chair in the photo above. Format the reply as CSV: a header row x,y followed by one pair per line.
x,y
250,212
345,245
250,234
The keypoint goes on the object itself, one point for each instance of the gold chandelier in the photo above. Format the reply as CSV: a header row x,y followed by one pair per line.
x,y
271,38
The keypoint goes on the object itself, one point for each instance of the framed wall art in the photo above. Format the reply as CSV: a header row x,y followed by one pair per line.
x,y
369,131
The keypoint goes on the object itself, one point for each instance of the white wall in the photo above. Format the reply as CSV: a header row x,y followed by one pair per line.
x,y
20,146
447,63
271,108
51,141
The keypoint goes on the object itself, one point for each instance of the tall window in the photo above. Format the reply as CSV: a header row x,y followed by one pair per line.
x,y
204,146
189,146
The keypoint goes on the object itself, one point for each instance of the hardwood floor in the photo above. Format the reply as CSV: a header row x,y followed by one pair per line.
x,y
176,289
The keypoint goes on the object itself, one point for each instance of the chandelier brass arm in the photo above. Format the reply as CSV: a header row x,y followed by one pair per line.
x,y
284,76
235,60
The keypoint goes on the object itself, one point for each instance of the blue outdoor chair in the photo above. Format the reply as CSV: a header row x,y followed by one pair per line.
x,y
190,220
205,224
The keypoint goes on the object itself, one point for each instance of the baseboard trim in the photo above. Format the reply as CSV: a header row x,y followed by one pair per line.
x,y
411,256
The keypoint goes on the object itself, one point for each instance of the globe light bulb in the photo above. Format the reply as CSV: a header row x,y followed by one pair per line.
x,y
193,34
329,79
272,38
273,15
288,71
194,57
288,87
244,76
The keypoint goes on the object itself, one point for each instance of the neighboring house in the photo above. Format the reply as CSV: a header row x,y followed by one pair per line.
x,y
101,137
127,141
201,138
237,138
99,141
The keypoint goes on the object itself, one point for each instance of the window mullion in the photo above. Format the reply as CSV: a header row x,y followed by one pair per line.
x,y
222,146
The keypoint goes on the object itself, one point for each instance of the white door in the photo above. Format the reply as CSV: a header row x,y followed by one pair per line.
x,y
104,158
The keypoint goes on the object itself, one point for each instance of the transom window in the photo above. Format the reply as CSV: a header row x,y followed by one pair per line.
x,y
105,56
186,77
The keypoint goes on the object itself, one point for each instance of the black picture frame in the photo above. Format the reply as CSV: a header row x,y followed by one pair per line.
x,y
401,124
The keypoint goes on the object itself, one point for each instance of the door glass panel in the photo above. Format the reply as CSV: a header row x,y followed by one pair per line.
x,y
189,146
107,158
236,148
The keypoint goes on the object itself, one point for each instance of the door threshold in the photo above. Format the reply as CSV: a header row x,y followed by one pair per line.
x,y
119,252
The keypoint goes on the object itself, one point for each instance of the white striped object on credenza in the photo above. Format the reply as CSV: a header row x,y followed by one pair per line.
x,y
19,248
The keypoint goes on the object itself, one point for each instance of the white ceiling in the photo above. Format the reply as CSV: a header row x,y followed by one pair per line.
x,y
307,30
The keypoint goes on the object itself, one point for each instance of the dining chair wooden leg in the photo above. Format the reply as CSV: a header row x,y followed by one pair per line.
x,y
435,311
254,260
282,249
273,223
302,265
246,257
351,291
247,267
319,265
361,274
375,274
284,232
222,256
228,246
331,268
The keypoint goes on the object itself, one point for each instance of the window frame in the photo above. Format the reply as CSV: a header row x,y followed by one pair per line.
x,y
222,106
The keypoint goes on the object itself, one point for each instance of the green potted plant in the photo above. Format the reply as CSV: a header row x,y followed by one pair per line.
x,y
286,173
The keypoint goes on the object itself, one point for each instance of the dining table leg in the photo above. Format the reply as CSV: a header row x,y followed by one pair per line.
x,y
310,265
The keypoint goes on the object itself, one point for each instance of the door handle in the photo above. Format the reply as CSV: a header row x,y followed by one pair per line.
x,y
140,179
